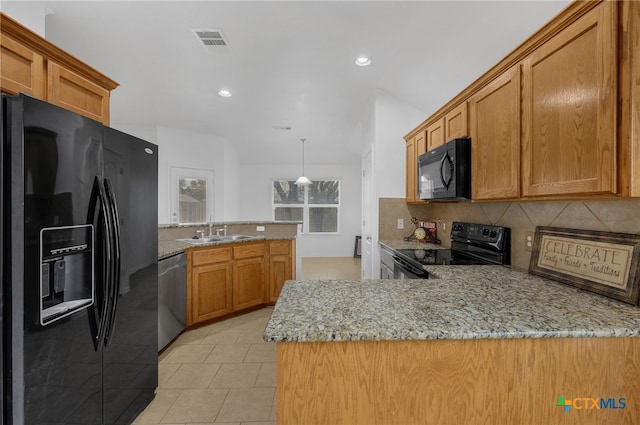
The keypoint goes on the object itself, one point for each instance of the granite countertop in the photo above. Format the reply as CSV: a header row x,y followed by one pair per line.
x,y
413,244
167,248
220,223
463,302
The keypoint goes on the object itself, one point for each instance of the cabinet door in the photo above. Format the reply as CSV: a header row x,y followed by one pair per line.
x,y
415,147
21,69
280,267
411,172
248,282
495,138
569,138
436,134
75,93
455,123
211,287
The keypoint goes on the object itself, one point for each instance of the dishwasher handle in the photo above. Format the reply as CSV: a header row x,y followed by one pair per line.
x,y
168,264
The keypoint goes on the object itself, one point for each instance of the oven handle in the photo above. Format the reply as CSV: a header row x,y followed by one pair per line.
x,y
409,267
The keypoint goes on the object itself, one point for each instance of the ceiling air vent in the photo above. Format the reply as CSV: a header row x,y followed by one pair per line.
x,y
210,39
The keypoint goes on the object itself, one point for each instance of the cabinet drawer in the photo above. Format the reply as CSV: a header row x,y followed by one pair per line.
x,y
249,250
207,256
279,247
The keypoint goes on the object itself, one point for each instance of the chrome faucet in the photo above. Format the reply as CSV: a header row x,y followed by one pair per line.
x,y
210,227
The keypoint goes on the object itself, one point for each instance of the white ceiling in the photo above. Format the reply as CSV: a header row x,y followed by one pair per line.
x,y
288,63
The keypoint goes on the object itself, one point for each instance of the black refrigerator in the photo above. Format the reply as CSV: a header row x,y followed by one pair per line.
x,y
79,268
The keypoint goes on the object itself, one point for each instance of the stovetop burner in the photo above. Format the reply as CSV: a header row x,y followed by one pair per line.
x,y
471,244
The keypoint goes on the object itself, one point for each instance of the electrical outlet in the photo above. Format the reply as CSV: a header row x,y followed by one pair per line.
x,y
401,223
528,240
259,228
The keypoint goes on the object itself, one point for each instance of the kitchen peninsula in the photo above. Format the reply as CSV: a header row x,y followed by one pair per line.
x,y
477,345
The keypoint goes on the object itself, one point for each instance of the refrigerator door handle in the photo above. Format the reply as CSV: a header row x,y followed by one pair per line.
x,y
98,319
115,270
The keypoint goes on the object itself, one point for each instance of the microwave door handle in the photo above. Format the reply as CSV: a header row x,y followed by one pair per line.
x,y
446,181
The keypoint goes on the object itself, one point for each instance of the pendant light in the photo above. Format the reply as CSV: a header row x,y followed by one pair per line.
x,y
303,180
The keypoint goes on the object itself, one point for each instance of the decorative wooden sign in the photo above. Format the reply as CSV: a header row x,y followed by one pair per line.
x,y
600,262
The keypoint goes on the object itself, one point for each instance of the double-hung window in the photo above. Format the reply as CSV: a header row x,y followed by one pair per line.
x,y
317,205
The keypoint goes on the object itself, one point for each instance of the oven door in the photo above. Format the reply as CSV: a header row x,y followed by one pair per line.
x,y
404,270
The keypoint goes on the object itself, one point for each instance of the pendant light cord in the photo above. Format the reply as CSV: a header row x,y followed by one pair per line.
x,y
303,140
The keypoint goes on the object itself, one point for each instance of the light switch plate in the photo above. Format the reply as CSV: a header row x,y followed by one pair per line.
x,y
401,223
259,228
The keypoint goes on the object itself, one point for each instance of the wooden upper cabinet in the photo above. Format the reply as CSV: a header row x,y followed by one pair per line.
x,y
569,121
451,126
75,93
32,65
436,134
494,117
415,146
21,69
455,123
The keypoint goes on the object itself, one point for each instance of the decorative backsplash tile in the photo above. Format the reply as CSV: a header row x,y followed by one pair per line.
x,y
605,215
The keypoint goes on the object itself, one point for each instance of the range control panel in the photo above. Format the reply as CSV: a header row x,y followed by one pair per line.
x,y
478,232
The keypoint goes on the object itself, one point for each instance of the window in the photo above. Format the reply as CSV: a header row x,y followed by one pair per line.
x,y
192,200
191,195
316,205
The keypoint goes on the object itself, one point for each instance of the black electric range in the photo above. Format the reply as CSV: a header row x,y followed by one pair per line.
x,y
471,244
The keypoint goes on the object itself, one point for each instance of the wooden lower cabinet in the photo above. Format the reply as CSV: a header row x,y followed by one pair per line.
x,y
211,291
230,278
513,381
281,267
248,282
209,284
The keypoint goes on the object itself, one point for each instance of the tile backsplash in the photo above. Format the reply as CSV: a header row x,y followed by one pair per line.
x,y
604,215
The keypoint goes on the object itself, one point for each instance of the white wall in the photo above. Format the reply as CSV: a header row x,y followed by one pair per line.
x,y
30,14
232,191
256,203
394,119
385,123
188,149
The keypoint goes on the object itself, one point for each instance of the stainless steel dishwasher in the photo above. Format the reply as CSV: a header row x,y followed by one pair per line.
x,y
172,298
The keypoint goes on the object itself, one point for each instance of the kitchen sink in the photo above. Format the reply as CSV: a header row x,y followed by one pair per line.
x,y
210,239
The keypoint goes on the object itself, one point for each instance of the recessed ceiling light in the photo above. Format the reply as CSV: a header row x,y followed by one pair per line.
x,y
224,93
363,61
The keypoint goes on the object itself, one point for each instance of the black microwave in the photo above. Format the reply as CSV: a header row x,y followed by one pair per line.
x,y
444,173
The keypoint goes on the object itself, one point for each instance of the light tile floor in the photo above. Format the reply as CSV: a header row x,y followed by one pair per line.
x,y
330,268
224,373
